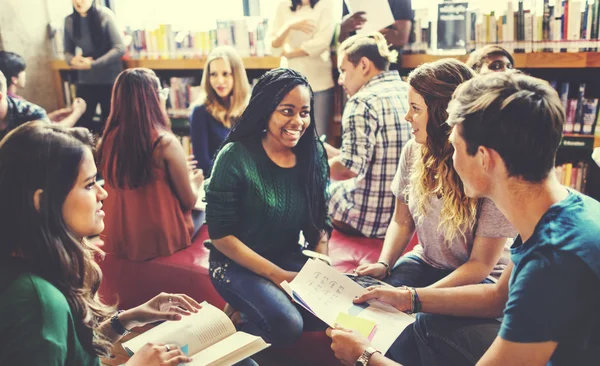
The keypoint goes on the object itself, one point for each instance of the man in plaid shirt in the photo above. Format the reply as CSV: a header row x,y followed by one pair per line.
x,y
373,133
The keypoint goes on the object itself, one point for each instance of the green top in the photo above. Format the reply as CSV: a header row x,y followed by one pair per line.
x,y
36,324
255,200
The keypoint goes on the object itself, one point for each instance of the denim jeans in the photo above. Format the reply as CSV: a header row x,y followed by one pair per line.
x,y
266,309
412,271
444,340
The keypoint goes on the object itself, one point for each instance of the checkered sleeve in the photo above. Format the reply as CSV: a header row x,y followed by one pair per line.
x,y
359,124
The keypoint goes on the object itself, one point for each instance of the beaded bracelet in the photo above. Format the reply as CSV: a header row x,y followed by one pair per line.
x,y
388,270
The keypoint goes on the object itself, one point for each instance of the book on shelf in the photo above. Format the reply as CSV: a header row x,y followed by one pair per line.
x,y
327,293
573,175
519,26
208,337
581,112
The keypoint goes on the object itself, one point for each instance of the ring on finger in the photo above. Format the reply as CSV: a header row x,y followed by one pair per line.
x,y
170,300
167,347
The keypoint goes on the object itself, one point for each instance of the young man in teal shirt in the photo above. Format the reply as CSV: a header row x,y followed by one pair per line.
x,y
507,129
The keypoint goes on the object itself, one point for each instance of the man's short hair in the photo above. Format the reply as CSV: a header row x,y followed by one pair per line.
x,y
3,85
372,46
11,65
478,57
519,116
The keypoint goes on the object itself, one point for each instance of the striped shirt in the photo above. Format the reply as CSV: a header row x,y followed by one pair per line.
x,y
373,133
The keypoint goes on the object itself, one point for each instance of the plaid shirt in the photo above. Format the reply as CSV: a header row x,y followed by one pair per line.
x,y
19,112
373,133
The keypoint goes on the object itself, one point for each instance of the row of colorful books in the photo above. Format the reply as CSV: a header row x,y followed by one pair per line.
x,y
166,42
557,26
582,115
573,175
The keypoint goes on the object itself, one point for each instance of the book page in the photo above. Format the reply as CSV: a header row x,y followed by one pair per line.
x,y
326,292
194,332
378,13
230,350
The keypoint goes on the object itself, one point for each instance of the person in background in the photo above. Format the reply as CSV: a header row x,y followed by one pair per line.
x,y
94,31
301,33
397,35
151,189
13,66
462,240
50,312
373,134
506,130
267,187
225,94
490,58
15,112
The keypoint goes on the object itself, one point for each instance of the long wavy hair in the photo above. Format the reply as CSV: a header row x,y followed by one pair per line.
x,y
226,112
434,173
136,119
95,26
270,90
38,156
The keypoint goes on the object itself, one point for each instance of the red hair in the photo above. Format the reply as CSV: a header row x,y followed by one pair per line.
x,y
136,119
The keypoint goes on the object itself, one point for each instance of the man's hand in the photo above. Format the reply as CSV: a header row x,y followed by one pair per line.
x,y
375,270
347,345
351,23
397,297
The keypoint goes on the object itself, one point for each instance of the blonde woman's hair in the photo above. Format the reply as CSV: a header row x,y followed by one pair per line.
x,y
240,93
434,173
372,46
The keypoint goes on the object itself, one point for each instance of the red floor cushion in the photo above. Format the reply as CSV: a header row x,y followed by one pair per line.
x,y
132,283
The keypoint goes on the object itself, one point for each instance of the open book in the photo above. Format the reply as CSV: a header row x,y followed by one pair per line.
x,y
208,336
326,293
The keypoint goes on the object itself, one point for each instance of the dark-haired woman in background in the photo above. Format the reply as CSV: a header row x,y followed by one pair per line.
x,y
490,58
302,31
268,185
95,32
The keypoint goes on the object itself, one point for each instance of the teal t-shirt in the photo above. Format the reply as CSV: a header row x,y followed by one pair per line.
x,y
36,324
554,289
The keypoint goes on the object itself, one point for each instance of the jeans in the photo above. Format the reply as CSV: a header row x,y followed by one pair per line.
x,y
94,95
444,340
412,271
323,104
266,309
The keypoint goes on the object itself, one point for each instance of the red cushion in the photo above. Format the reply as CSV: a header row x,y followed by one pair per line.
x,y
132,283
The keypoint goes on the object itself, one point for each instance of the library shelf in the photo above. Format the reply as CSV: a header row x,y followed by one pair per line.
x,y
596,141
258,63
534,60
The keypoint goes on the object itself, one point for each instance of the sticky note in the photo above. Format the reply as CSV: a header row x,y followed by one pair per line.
x,y
365,327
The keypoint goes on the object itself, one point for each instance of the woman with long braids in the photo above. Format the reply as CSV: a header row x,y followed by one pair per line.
x,y
268,185
50,313
461,240
94,31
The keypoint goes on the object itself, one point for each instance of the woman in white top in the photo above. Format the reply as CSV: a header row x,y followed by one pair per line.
x,y
301,33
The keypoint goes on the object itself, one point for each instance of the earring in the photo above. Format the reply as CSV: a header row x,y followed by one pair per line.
x,y
265,130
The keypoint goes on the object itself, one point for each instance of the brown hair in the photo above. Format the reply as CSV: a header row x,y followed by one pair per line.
x,y
434,173
39,156
519,116
478,57
240,93
372,46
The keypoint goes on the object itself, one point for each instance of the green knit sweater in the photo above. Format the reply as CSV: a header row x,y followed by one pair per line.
x,y
255,200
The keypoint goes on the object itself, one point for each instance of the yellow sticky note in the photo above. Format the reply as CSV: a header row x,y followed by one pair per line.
x,y
363,326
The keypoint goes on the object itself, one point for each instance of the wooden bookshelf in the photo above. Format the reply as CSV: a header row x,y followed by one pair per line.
x,y
257,63
536,60
596,141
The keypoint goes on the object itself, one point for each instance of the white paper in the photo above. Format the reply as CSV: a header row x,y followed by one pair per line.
x,y
239,344
378,13
326,293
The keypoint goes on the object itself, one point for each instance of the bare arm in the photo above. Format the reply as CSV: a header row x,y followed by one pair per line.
x,y
175,162
503,352
338,170
398,234
116,40
331,151
380,360
398,34
484,256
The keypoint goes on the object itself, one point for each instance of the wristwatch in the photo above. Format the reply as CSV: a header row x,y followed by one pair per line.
x,y
363,360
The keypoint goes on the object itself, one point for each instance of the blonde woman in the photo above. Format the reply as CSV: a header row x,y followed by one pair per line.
x,y
301,33
461,240
225,93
